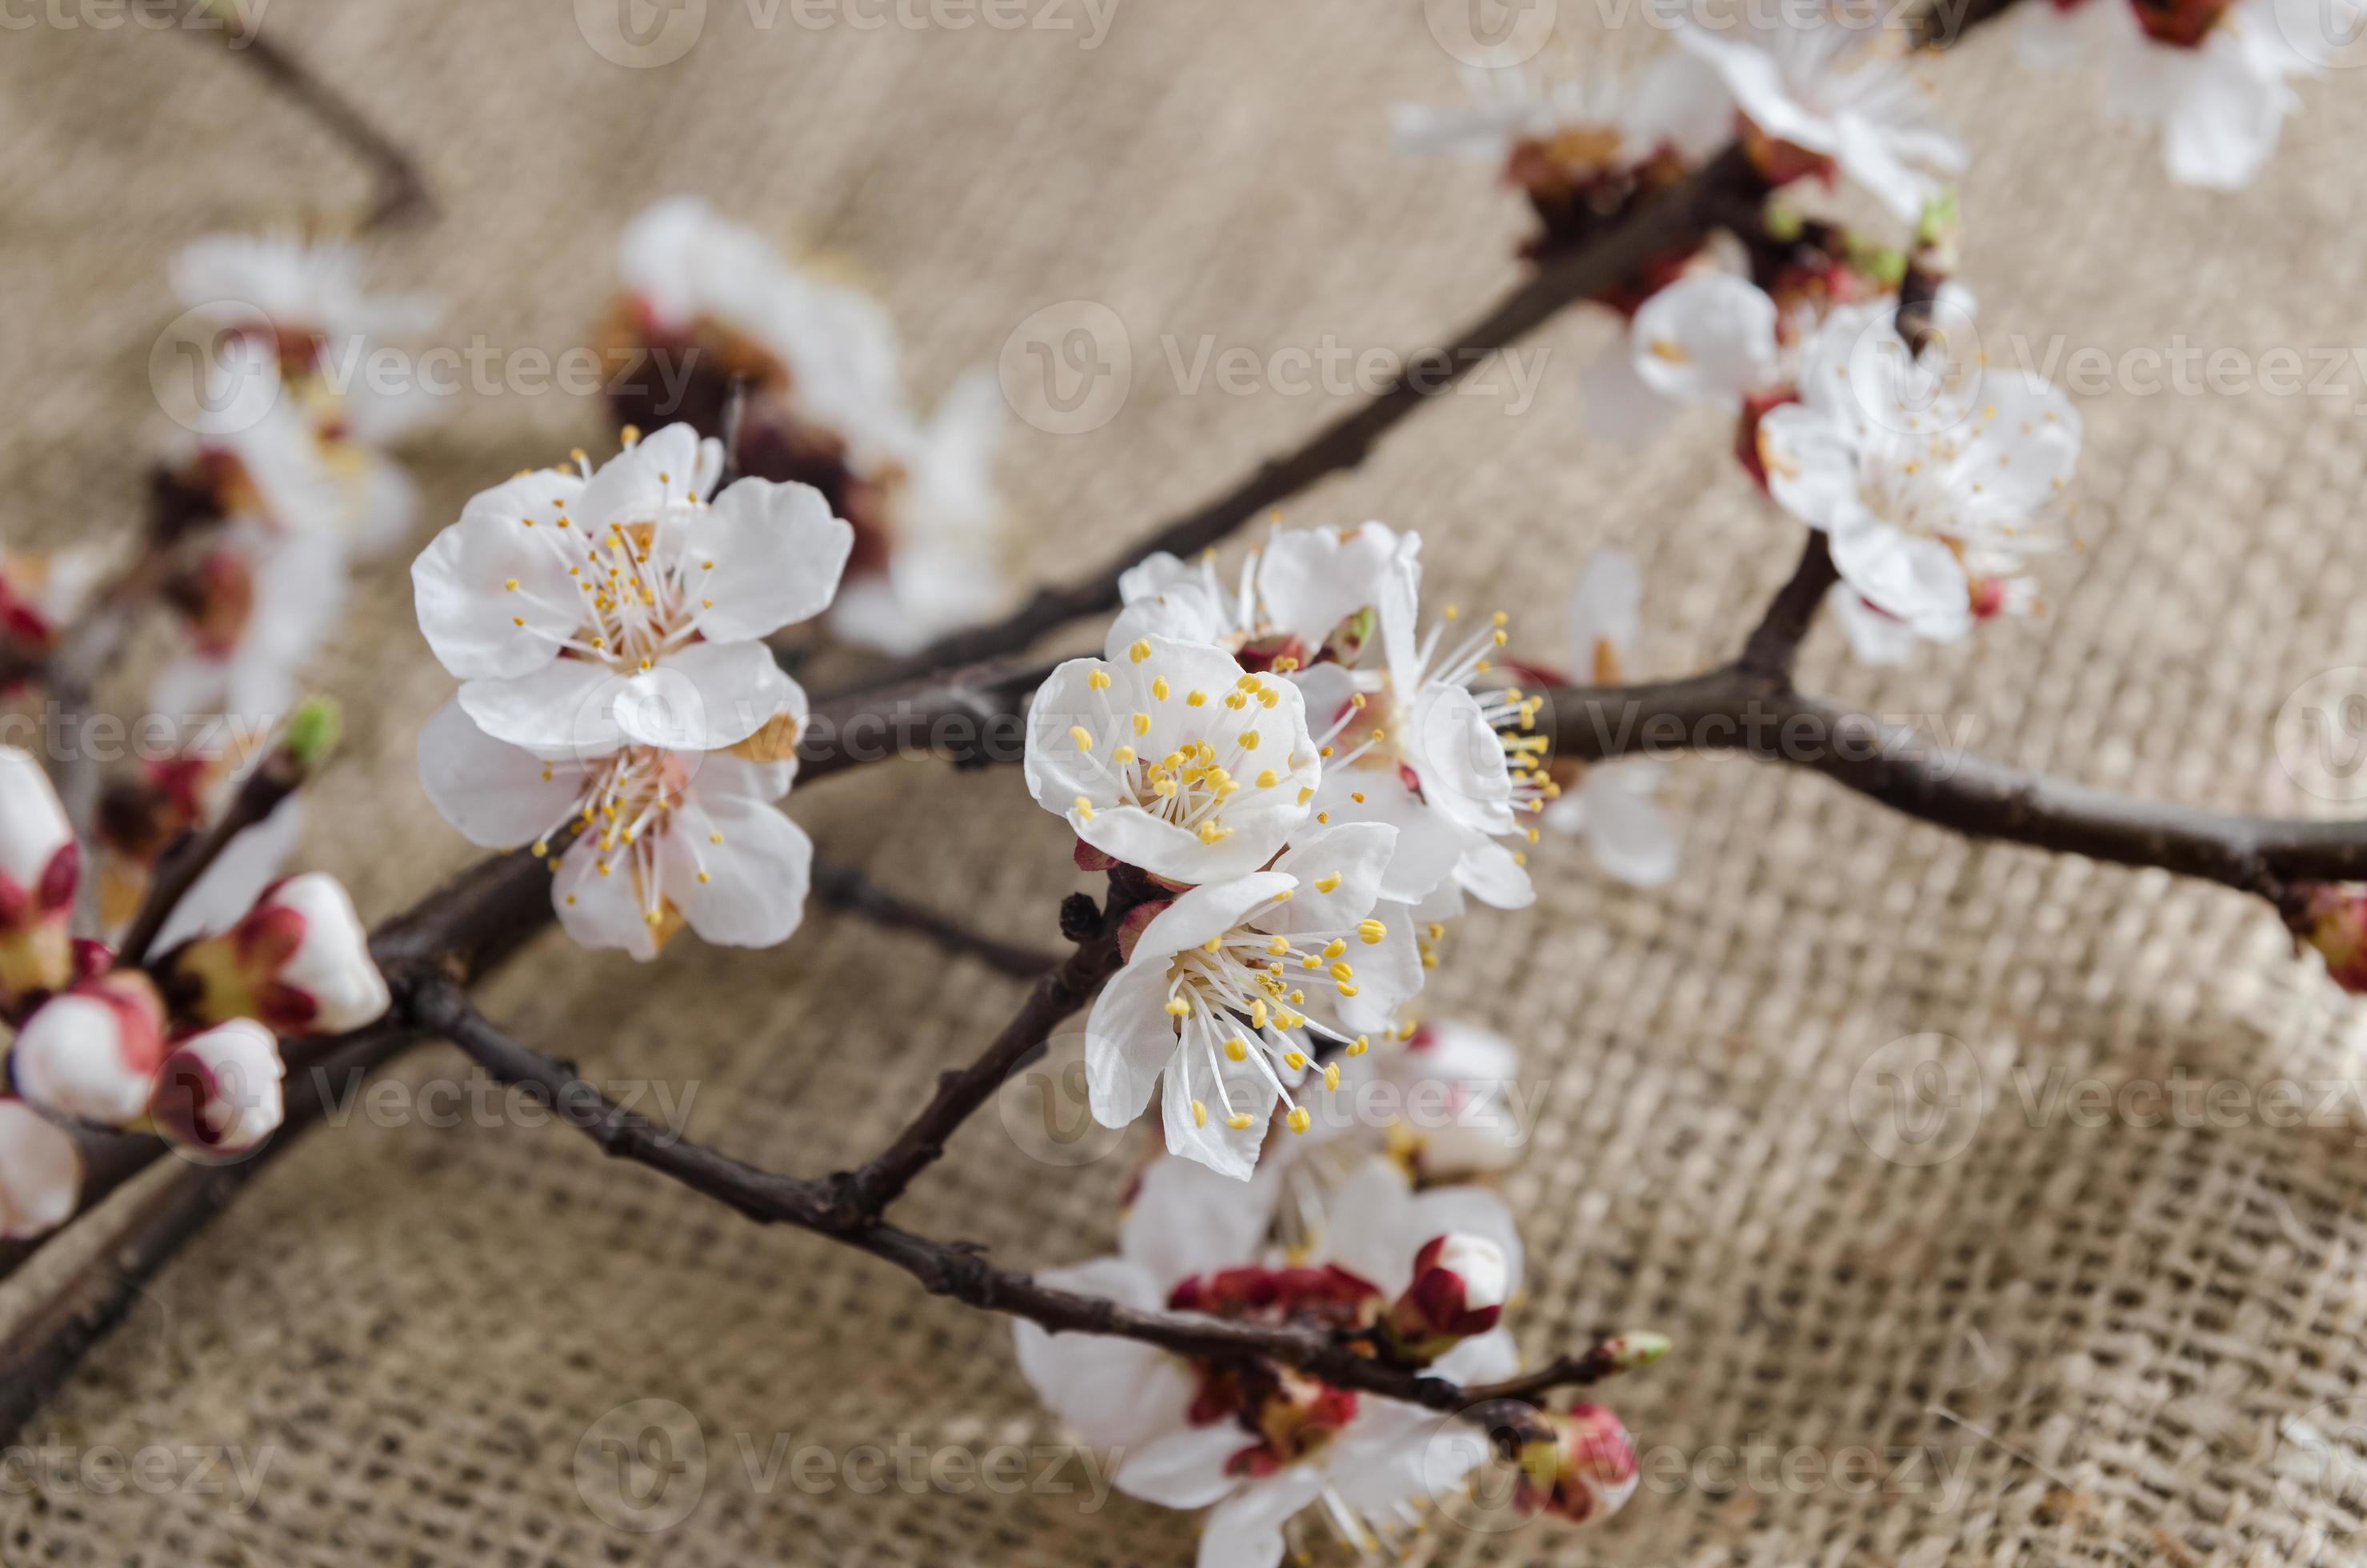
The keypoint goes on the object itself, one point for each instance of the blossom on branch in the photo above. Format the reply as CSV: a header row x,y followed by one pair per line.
x,y
1256,1443
39,868
298,960
1232,990
587,611
218,1093
1934,481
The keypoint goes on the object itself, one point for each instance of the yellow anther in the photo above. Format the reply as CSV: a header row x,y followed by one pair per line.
x,y
1123,756
1236,701
1346,989
1451,612
1158,687
1238,1048
714,839
1330,1075
1141,724
1372,931
1257,1015
704,876
1429,959
1084,742
1179,1008
1294,1060
1323,816
1085,808
1196,699
1436,931
1326,884
511,584
1247,683
1310,961
1241,1121
1268,697
603,868
1306,793
1212,944
1334,947
520,620
1499,639
1500,618
1249,740
1267,779
1518,859
1299,1119
1360,1045
1098,679
1199,1114
1284,664
1139,651
1278,945
1342,971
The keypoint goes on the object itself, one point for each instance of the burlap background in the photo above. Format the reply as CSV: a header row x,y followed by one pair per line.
x,y
420,1322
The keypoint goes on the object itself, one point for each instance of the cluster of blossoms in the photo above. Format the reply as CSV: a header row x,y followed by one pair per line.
x,y
1310,784
1935,476
709,307
620,710
1418,1277
186,1045
282,481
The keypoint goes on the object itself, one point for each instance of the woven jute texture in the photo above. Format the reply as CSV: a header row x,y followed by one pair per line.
x,y
2094,1339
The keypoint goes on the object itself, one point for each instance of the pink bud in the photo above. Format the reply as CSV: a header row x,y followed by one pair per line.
x,y
219,1093
1460,1285
93,1051
299,961
41,1172
2334,921
1585,1470
37,869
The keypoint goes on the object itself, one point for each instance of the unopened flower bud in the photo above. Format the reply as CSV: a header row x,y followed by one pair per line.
x,y
38,868
1460,1285
1629,1352
41,1172
2334,921
1584,1470
299,961
93,1051
219,1092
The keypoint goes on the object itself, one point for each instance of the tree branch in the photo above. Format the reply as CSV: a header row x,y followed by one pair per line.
x,y
845,887
1669,220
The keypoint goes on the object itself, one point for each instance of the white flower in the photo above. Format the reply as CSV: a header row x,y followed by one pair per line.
x,y
1832,89
1171,758
93,1051
1193,1243
662,837
219,1093
1874,636
590,611
1410,743
2213,76
1293,597
1934,484
41,1172
1610,804
298,960
1229,989
258,603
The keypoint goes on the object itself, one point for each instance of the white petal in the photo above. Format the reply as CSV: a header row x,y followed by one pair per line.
x,y
1209,910
564,707
1917,579
1246,1532
1227,1150
1492,873
1460,759
1116,1392
1129,1038
1428,842
778,554
1708,337
466,610
1812,467
1606,611
1626,828
41,1172
1876,637
497,795
706,697
1313,579
1352,856
1183,1469
1371,1229
644,481
601,912
2227,119
1471,1211
756,879
1186,1220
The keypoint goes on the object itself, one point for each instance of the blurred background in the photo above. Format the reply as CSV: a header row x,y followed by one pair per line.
x,y
2063,1344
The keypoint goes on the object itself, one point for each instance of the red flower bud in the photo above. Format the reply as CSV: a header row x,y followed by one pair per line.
x,y
1460,1284
1584,1470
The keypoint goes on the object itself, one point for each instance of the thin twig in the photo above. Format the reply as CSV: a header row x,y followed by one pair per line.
x,y
845,887
259,794
402,190
1775,641
1669,220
